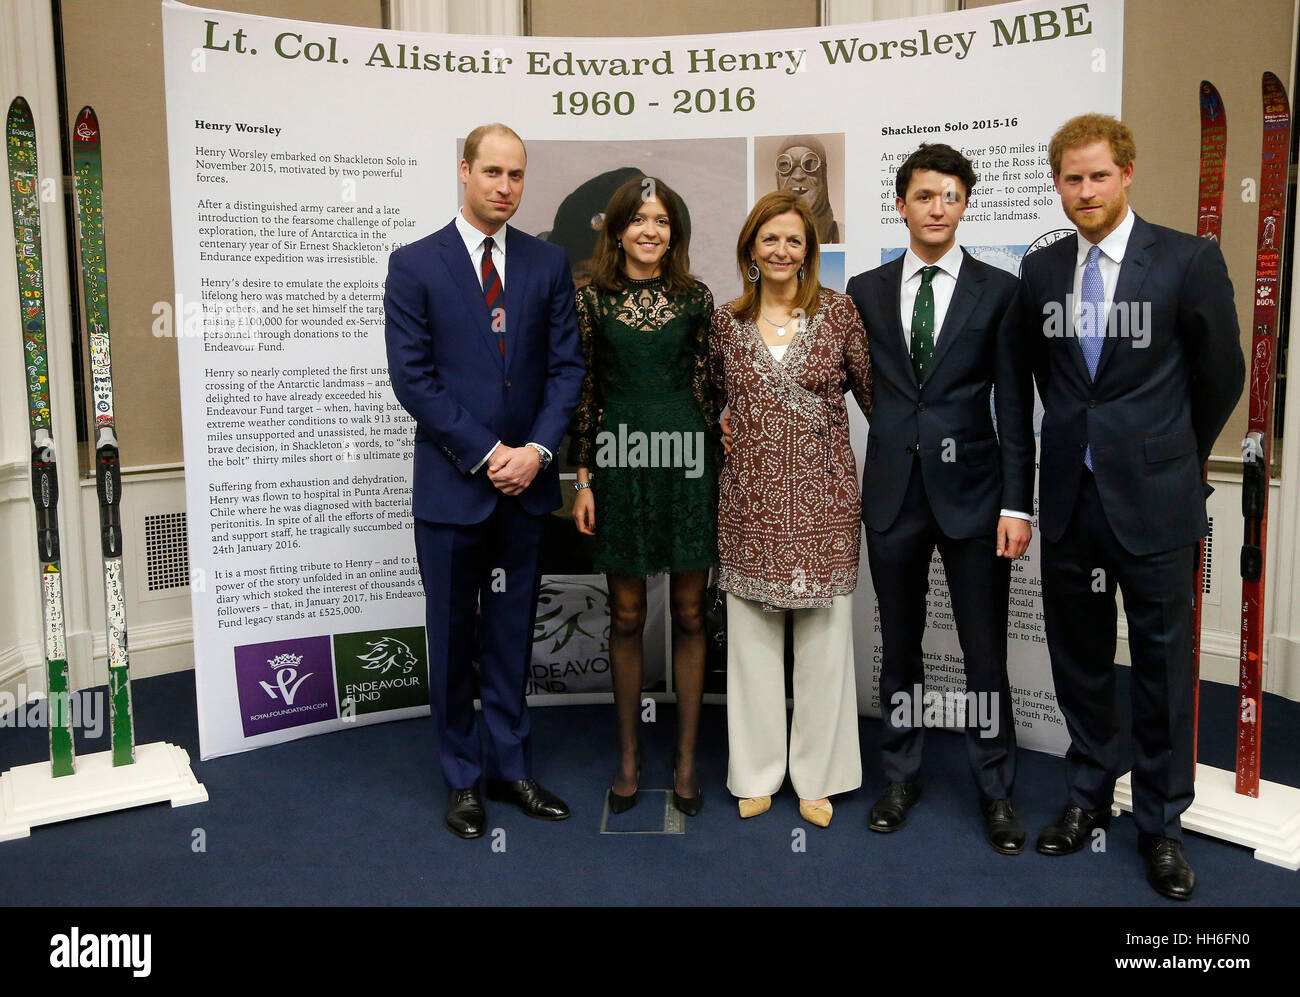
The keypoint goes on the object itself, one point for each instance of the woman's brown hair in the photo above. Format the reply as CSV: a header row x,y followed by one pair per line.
x,y
607,267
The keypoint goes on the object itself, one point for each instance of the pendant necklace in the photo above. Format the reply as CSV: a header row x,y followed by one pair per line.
x,y
780,329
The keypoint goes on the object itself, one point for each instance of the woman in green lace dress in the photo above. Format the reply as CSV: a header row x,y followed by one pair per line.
x,y
643,440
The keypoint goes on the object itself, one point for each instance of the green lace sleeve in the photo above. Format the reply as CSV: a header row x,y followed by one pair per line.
x,y
586,417
702,312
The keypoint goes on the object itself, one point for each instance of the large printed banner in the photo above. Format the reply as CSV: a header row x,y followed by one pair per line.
x,y
301,154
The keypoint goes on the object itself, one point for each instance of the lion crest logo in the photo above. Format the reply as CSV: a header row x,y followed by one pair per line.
x,y
388,653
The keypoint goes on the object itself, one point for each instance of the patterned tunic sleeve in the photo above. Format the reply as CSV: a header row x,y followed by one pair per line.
x,y
702,310
586,417
721,320
857,361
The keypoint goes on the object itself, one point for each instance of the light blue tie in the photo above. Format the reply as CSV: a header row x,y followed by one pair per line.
x,y
1092,321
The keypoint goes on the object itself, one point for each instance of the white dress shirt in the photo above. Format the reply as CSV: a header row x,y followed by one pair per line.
x,y
474,246
1112,249
474,243
943,283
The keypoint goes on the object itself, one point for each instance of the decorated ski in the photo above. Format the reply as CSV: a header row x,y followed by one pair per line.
x,y
1214,145
1256,448
1209,225
24,193
88,177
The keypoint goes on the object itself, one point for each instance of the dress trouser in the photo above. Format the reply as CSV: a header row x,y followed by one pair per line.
x,y
824,755
480,590
978,582
1080,574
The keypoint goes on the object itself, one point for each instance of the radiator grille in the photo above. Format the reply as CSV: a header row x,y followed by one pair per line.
x,y
167,552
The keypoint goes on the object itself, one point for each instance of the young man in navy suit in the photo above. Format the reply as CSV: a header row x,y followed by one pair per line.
x,y
1137,356
483,351
938,475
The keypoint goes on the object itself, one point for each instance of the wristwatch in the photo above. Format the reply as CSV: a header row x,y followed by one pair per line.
x,y
580,485
542,455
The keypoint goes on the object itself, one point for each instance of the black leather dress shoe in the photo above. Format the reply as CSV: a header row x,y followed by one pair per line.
x,y
1072,831
1167,870
530,797
890,811
1002,828
465,814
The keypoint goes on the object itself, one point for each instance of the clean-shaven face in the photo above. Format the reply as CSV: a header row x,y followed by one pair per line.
x,y
494,183
932,208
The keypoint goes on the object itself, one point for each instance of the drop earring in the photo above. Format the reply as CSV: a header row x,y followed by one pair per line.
x,y
752,272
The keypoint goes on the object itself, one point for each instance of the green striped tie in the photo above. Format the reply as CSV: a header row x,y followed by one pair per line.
x,y
923,325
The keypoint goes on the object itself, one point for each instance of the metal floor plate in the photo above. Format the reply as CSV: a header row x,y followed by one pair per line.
x,y
649,816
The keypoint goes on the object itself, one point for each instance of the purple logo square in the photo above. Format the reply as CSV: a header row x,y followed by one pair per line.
x,y
285,683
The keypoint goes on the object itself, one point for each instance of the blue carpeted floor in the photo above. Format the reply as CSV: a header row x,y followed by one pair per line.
x,y
356,818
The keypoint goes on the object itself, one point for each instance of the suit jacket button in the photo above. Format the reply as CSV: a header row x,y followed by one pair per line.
x,y
507,382
1092,403
920,406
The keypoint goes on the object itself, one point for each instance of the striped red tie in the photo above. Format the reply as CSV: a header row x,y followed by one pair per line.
x,y
492,294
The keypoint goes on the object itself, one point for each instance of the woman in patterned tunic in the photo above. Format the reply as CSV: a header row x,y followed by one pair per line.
x,y
781,357
645,422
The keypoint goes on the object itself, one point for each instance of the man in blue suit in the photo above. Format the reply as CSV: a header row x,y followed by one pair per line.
x,y
1134,340
937,475
483,351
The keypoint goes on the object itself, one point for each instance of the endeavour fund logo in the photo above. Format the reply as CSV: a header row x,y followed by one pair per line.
x,y
284,683
380,670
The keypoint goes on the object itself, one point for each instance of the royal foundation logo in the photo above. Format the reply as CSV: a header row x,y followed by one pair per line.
x,y
284,683
381,670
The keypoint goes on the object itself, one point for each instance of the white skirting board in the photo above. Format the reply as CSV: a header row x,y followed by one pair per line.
x,y
30,795
1269,823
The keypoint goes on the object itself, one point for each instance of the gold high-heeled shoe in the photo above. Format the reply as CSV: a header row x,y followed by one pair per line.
x,y
755,805
819,814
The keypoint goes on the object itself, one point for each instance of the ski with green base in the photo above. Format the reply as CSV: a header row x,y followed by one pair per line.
x,y
24,194
89,184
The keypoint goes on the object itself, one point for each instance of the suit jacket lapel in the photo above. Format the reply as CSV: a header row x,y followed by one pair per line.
x,y
516,276
463,276
890,291
1060,290
1132,273
970,286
